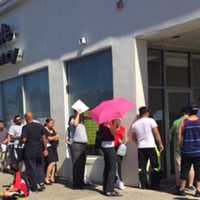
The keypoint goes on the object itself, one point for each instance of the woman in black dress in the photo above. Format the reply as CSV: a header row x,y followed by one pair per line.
x,y
52,158
108,132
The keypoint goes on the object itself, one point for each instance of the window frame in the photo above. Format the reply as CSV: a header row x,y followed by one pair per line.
x,y
23,102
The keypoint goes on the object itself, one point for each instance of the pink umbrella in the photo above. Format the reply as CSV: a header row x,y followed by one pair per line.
x,y
111,109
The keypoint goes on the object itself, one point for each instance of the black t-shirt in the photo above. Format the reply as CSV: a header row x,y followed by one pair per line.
x,y
33,133
106,134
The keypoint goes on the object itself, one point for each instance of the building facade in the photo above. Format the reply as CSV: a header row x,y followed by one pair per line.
x,y
60,51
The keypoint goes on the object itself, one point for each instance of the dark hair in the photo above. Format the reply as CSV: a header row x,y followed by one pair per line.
x,y
82,118
70,118
185,110
143,110
48,120
1,121
15,117
193,109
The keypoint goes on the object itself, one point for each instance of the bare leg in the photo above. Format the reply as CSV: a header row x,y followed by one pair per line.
x,y
198,186
49,171
182,185
177,161
53,173
191,177
177,177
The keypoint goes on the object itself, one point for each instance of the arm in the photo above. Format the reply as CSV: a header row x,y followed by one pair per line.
x,y
54,138
11,134
131,133
24,136
134,137
5,141
180,133
158,138
125,138
76,120
45,142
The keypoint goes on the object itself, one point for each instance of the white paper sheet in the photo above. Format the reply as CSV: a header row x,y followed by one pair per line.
x,y
80,106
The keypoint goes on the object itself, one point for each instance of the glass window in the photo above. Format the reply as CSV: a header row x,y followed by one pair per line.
x,y
12,99
195,70
90,79
196,97
156,100
177,69
36,87
154,68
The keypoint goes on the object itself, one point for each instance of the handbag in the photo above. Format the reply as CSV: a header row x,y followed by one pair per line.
x,y
122,150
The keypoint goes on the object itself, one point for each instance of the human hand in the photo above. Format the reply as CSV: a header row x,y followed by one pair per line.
x,y
161,148
79,111
45,153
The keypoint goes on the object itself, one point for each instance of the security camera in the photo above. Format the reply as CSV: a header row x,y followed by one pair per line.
x,y
83,41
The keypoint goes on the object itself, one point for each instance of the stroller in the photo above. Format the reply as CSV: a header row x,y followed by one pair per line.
x,y
10,157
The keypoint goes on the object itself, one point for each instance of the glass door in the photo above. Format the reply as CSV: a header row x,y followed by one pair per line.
x,y
177,100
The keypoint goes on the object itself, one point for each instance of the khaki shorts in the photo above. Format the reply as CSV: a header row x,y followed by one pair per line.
x,y
177,161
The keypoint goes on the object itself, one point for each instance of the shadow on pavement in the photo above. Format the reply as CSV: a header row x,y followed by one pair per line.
x,y
92,187
184,198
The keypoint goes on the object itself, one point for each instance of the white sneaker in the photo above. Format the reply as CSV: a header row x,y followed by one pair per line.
x,y
120,185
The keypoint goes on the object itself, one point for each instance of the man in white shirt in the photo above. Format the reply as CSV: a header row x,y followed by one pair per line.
x,y
146,134
15,130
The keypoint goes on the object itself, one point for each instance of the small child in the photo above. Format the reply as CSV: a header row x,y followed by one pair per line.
x,y
19,187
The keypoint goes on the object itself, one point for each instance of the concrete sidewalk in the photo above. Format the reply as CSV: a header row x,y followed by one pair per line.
x,y
61,192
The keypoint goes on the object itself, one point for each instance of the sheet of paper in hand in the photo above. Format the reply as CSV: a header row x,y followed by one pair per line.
x,y
80,106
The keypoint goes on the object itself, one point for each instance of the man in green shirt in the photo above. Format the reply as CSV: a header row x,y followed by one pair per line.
x,y
175,131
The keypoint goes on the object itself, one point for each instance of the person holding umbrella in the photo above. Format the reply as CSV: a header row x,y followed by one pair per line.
x,y
107,132
105,114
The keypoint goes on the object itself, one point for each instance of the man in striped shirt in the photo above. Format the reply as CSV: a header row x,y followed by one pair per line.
x,y
189,139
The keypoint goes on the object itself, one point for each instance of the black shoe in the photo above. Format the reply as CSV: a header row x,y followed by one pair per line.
x,y
197,194
42,186
181,193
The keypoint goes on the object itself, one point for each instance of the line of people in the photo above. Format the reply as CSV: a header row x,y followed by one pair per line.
x,y
34,145
112,138
186,136
41,142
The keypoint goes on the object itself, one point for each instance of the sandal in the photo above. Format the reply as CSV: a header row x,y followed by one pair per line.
x,y
47,182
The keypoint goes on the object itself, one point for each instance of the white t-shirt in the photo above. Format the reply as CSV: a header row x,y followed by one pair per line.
x,y
15,131
144,134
